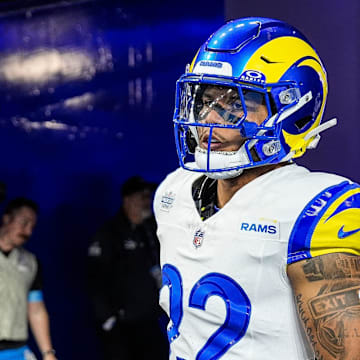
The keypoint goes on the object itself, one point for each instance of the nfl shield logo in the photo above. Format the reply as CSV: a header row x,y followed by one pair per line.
x,y
198,238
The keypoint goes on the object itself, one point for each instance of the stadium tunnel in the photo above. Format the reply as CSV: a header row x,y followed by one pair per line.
x,y
86,100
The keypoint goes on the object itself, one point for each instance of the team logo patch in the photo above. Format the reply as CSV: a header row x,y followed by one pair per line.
x,y
253,76
167,201
198,238
262,227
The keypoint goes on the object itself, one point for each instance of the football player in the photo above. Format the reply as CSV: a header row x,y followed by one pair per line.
x,y
260,256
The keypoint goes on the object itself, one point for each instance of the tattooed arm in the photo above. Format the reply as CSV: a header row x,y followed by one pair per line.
x,y
327,297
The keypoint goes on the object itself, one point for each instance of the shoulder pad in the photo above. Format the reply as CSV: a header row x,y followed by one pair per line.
x,y
329,223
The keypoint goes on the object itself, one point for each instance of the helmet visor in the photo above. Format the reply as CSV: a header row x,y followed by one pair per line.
x,y
208,103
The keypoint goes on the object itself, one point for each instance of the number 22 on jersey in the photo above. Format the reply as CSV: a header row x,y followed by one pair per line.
x,y
238,309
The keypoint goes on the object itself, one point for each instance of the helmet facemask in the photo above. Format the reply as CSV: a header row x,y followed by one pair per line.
x,y
210,110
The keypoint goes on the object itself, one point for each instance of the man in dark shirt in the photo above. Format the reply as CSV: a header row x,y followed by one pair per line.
x,y
21,286
124,278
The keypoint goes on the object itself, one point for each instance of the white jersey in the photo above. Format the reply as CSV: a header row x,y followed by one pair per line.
x,y
225,286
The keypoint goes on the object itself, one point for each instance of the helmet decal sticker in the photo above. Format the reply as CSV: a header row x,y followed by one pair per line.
x,y
213,67
253,76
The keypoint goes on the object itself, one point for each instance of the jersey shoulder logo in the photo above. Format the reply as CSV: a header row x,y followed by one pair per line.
x,y
167,201
344,234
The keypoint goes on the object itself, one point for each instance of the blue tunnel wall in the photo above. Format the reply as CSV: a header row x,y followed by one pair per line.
x,y
86,100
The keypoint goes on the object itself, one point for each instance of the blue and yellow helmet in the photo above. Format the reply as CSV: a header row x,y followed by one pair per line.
x,y
258,58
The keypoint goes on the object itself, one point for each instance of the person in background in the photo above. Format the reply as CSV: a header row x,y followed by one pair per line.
x,y
21,297
124,278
